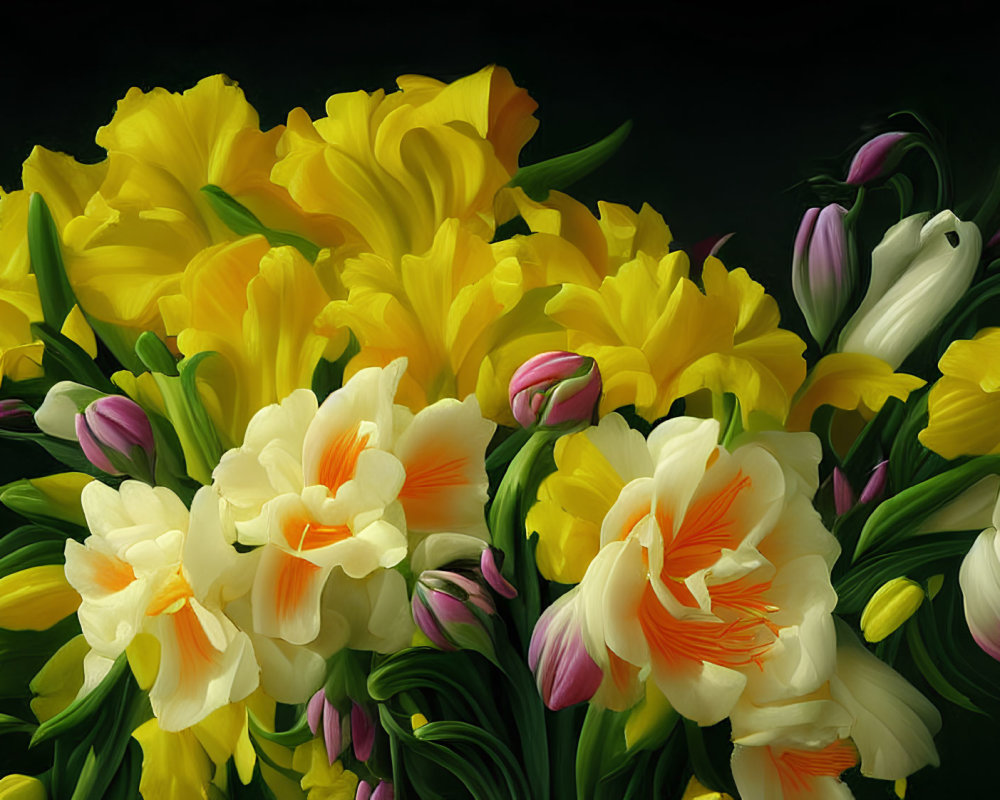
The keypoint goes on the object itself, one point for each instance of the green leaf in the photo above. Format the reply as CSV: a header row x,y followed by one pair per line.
x,y
925,663
704,769
242,221
47,264
298,734
155,355
64,359
81,709
899,517
62,450
329,375
33,555
562,171
26,535
9,724
23,653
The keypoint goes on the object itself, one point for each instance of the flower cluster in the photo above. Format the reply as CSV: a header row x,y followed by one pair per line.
x,y
375,443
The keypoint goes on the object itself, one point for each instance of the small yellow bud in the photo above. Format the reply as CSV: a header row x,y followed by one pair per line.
x,y
36,598
893,604
900,788
52,497
21,787
417,721
696,791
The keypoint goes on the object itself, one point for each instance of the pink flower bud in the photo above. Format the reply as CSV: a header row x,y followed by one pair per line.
x,y
843,494
453,611
364,791
822,275
564,671
491,572
383,791
875,158
555,388
322,715
362,732
875,487
16,415
116,437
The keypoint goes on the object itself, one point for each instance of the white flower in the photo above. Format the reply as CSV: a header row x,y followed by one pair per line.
x,y
980,582
920,269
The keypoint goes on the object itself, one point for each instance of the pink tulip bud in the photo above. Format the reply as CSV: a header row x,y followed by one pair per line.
x,y
364,791
555,388
454,611
564,671
843,494
116,437
383,791
362,732
875,158
323,716
16,415
822,275
491,572
875,487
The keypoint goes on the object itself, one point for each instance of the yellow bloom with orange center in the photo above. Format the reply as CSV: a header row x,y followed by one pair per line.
x,y
712,571
964,405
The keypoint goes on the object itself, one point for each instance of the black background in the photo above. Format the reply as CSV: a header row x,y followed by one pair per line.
x,y
731,110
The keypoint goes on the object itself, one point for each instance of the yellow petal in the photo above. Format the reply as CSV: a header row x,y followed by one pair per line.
x,y
143,654
57,683
21,787
76,328
36,598
849,381
174,765
225,734
696,791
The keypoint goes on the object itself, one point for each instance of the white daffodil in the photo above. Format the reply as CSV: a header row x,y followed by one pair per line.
x,y
340,494
920,269
151,567
714,570
979,578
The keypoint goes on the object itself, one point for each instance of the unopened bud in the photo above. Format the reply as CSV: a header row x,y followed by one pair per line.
x,y
16,415
564,671
893,604
822,274
115,435
491,573
876,157
555,388
454,612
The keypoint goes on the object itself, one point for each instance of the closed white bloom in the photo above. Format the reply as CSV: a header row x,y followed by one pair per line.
x,y
151,567
980,582
920,269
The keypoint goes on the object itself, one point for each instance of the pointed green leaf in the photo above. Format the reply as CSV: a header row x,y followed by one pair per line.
x,y
47,264
242,221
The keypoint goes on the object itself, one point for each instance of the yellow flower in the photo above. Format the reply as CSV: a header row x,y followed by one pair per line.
x,y
964,405
323,780
20,355
394,167
656,337
254,306
849,381
146,217
894,603
446,311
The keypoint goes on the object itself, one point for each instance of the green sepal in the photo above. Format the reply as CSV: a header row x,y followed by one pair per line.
x,y
25,499
241,221
899,517
562,171
155,355
47,264
298,734
81,709
9,724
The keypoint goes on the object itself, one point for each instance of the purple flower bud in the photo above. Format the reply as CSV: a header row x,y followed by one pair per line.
x,y
454,611
843,494
700,251
555,388
564,671
116,437
822,273
993,242
383,791
875,158
362,732
875,487
364,791
491,572
314,711
16,415
332,734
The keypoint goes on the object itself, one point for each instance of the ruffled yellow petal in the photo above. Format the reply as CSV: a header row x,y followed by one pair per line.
x,y
58,682
76,328
321,779
256,308
225,734
850,381
36,598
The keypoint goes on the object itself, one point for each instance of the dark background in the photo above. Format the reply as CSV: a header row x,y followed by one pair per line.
x,y
731,110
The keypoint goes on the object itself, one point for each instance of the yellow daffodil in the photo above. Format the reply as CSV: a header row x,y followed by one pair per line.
x,y
321,779
146,217
393,167
964,405
656,337
253,306
849,381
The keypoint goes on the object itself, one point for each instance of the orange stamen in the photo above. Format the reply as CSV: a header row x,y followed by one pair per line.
x,y
304,534
745,600
341,458
730,644
172,591
796,768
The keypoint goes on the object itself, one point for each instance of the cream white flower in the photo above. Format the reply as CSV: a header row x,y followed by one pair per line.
x,y
151,567
979,578
920,269
713,575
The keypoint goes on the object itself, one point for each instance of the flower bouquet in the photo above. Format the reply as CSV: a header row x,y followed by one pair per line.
x,y
353,459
